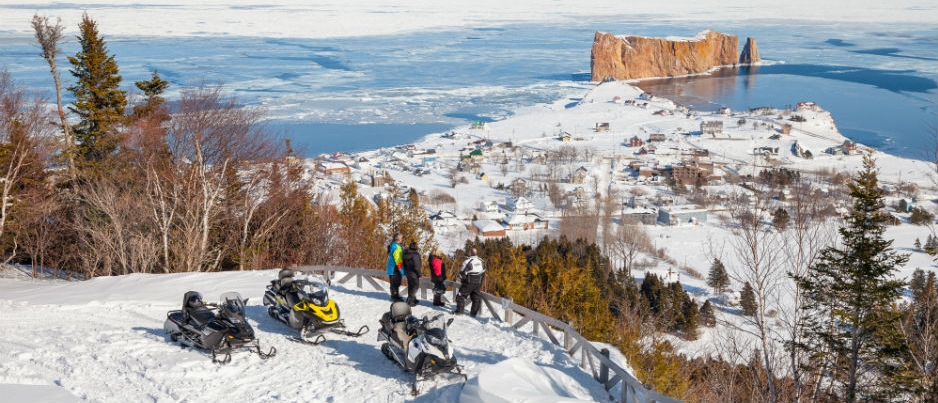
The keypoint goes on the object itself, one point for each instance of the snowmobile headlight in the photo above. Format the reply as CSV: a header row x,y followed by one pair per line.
x,y
436,338
234,320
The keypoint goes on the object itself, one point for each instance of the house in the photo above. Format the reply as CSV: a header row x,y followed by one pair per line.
x,y
808,106
524,222
657,137
482,177
786,128
684,214
602,127
646,149
479,125
333,168
519,204
444,219
519,186
475,156
377,179
646,216
579,175
713,127
490,206
566,137
488,228
725,111
635,142
691,172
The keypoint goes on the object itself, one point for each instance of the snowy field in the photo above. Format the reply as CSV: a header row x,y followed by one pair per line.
x,y
102,340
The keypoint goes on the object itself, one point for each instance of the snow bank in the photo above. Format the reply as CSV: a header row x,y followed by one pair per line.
x,y
520,380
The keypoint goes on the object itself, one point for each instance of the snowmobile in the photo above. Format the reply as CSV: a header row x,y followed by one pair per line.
x,y
219,328
305,306
419,346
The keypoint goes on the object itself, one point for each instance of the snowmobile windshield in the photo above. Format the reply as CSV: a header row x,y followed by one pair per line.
x,y
232,303
435,325
316,290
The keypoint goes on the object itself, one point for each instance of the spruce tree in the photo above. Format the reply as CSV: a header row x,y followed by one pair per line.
x,y
153,90
707,316
748,300
99,101
853,285
918,244
717,278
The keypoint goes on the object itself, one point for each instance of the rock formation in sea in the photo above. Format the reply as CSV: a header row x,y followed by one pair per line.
x,y
750,53
632,57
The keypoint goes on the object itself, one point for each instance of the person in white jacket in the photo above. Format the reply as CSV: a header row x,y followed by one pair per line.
x,y
470,276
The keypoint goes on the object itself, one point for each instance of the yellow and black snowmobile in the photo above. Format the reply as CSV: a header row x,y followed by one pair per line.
x,y
304,305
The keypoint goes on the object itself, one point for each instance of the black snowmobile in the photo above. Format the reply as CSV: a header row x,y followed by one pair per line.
x,y
420,346
219,328
304,305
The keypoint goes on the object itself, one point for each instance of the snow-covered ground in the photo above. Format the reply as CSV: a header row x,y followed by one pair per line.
x,y
102,340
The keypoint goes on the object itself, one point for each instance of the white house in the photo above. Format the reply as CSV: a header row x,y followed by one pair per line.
x,y
444,219
519,204
490,206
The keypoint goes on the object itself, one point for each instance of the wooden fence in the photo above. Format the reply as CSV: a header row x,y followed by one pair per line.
x,y
597,361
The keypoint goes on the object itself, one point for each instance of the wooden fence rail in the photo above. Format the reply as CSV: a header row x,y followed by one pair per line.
x,y
557,332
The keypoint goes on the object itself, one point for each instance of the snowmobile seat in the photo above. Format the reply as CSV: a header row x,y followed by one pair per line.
x,y
284,278
194,310
399,311
399,315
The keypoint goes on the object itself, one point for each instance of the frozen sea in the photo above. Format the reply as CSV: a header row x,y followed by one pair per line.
x,y
357,93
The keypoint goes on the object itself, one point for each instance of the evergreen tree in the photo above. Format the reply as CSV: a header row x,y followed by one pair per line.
x,y
717,278
153,90
918,244
780,218
99,101
707,316
930,244
854,287
748,300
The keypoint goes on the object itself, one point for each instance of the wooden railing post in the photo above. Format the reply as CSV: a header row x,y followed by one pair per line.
x,y
509,314
603,369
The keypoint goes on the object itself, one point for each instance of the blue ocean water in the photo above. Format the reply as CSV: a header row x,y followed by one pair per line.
x,y
353,94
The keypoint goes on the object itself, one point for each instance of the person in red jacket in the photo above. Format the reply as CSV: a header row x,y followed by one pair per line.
x,y
437,276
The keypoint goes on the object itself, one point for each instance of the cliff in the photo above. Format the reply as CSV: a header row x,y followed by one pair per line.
x,y
750,53
631,57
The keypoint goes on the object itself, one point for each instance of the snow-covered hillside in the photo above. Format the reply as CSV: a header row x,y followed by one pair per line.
x,y
102,340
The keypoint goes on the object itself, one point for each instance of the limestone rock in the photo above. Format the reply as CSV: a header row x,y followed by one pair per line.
x,y
750,52
632,57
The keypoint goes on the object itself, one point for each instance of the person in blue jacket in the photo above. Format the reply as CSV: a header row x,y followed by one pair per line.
x,y
396,265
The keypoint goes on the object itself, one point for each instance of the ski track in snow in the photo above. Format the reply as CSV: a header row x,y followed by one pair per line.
x,y
112,348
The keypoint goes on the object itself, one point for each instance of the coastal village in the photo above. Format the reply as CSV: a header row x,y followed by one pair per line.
x,y
493,178
675,171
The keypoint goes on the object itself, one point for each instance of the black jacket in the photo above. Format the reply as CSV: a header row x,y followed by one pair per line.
x,y
411,263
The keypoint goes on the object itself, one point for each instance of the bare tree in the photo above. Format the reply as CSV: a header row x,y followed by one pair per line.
x,y
755,246
807,233
49,36
211,139
630,241
23,134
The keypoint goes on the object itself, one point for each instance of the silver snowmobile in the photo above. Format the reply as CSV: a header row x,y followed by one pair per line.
x,y
419,346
